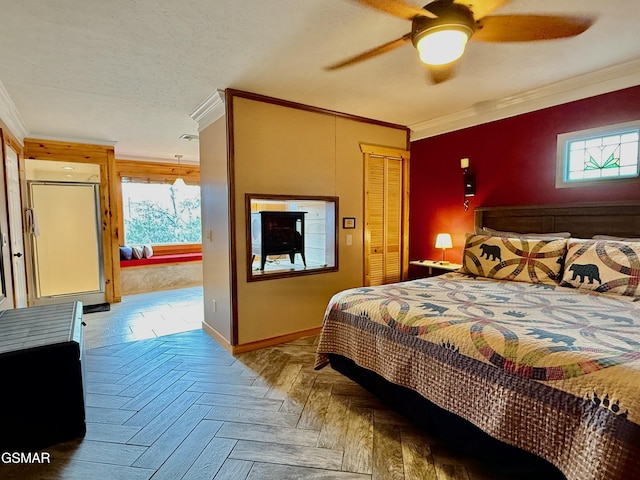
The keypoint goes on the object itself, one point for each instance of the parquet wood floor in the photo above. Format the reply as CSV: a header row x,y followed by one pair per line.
x,y
146,315
181,407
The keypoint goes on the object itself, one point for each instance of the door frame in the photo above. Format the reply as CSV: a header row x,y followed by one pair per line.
x,y
15,212
369,151
8,302
104,156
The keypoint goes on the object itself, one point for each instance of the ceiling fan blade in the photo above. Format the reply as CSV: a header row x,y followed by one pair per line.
x,y
528,28
374,52
398,8
482,8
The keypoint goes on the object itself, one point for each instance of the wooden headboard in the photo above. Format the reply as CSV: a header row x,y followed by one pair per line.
x,y
581,220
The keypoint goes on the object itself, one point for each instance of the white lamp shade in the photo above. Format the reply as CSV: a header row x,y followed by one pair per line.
x,y
443,240
442,46
179,183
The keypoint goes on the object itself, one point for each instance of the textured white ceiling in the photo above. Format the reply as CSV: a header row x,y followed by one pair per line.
x,y
132,71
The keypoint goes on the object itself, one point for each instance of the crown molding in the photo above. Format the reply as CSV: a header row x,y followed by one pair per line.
x,y
10,116
86,141
142,158
210,110
590,84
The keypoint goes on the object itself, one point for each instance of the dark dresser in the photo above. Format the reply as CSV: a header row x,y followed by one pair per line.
x,y
41,363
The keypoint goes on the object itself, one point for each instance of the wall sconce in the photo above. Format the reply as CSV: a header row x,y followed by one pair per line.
x,y
443,241
469,180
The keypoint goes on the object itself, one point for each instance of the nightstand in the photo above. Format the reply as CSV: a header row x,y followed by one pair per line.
x,y
434,268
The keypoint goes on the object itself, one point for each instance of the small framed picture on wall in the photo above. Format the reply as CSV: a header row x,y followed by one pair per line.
x,y
348,222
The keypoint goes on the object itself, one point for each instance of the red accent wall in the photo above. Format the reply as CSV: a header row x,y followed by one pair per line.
x,y
514,161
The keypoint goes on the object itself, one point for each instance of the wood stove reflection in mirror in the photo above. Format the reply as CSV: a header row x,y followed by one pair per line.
x,y
290,235
277,233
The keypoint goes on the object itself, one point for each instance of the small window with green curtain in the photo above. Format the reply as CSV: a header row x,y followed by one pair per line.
x,y
606,154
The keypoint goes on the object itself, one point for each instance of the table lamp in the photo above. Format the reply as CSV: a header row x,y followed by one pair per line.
x,y
443,241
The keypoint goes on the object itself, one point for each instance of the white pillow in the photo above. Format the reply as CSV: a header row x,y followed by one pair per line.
x,y
147,251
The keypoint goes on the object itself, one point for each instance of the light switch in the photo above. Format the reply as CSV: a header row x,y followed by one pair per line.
x,y
349,239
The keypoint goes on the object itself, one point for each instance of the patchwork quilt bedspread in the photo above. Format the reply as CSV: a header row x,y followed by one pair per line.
x,y
549,369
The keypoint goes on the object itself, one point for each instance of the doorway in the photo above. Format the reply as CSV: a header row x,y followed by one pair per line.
x,y
386,209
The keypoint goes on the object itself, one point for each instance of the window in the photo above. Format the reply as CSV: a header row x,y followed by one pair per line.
x,y
161,214
598,155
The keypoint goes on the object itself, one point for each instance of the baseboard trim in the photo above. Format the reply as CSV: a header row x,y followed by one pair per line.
x,y
213,333
269,342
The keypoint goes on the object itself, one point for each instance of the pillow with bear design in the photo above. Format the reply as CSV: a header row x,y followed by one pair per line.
x,y
538,260
603,266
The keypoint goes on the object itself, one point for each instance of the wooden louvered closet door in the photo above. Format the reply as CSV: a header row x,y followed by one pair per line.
x,y
385,217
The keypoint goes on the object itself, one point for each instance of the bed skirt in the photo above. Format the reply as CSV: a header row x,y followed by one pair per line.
x,y
448,429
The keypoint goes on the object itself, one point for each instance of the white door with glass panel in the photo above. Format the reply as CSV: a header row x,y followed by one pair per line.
x,y
67,242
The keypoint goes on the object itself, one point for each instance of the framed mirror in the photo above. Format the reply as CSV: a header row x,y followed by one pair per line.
x,y
290,235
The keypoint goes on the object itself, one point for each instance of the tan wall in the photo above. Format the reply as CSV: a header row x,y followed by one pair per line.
x,y
216,245
284,150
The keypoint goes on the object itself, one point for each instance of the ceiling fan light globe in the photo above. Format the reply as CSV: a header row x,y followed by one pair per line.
x,y
442,46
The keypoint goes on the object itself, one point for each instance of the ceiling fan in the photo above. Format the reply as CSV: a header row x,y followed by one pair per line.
x,y
441,29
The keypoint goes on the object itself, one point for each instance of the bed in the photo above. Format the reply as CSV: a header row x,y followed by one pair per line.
x,y
536,344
